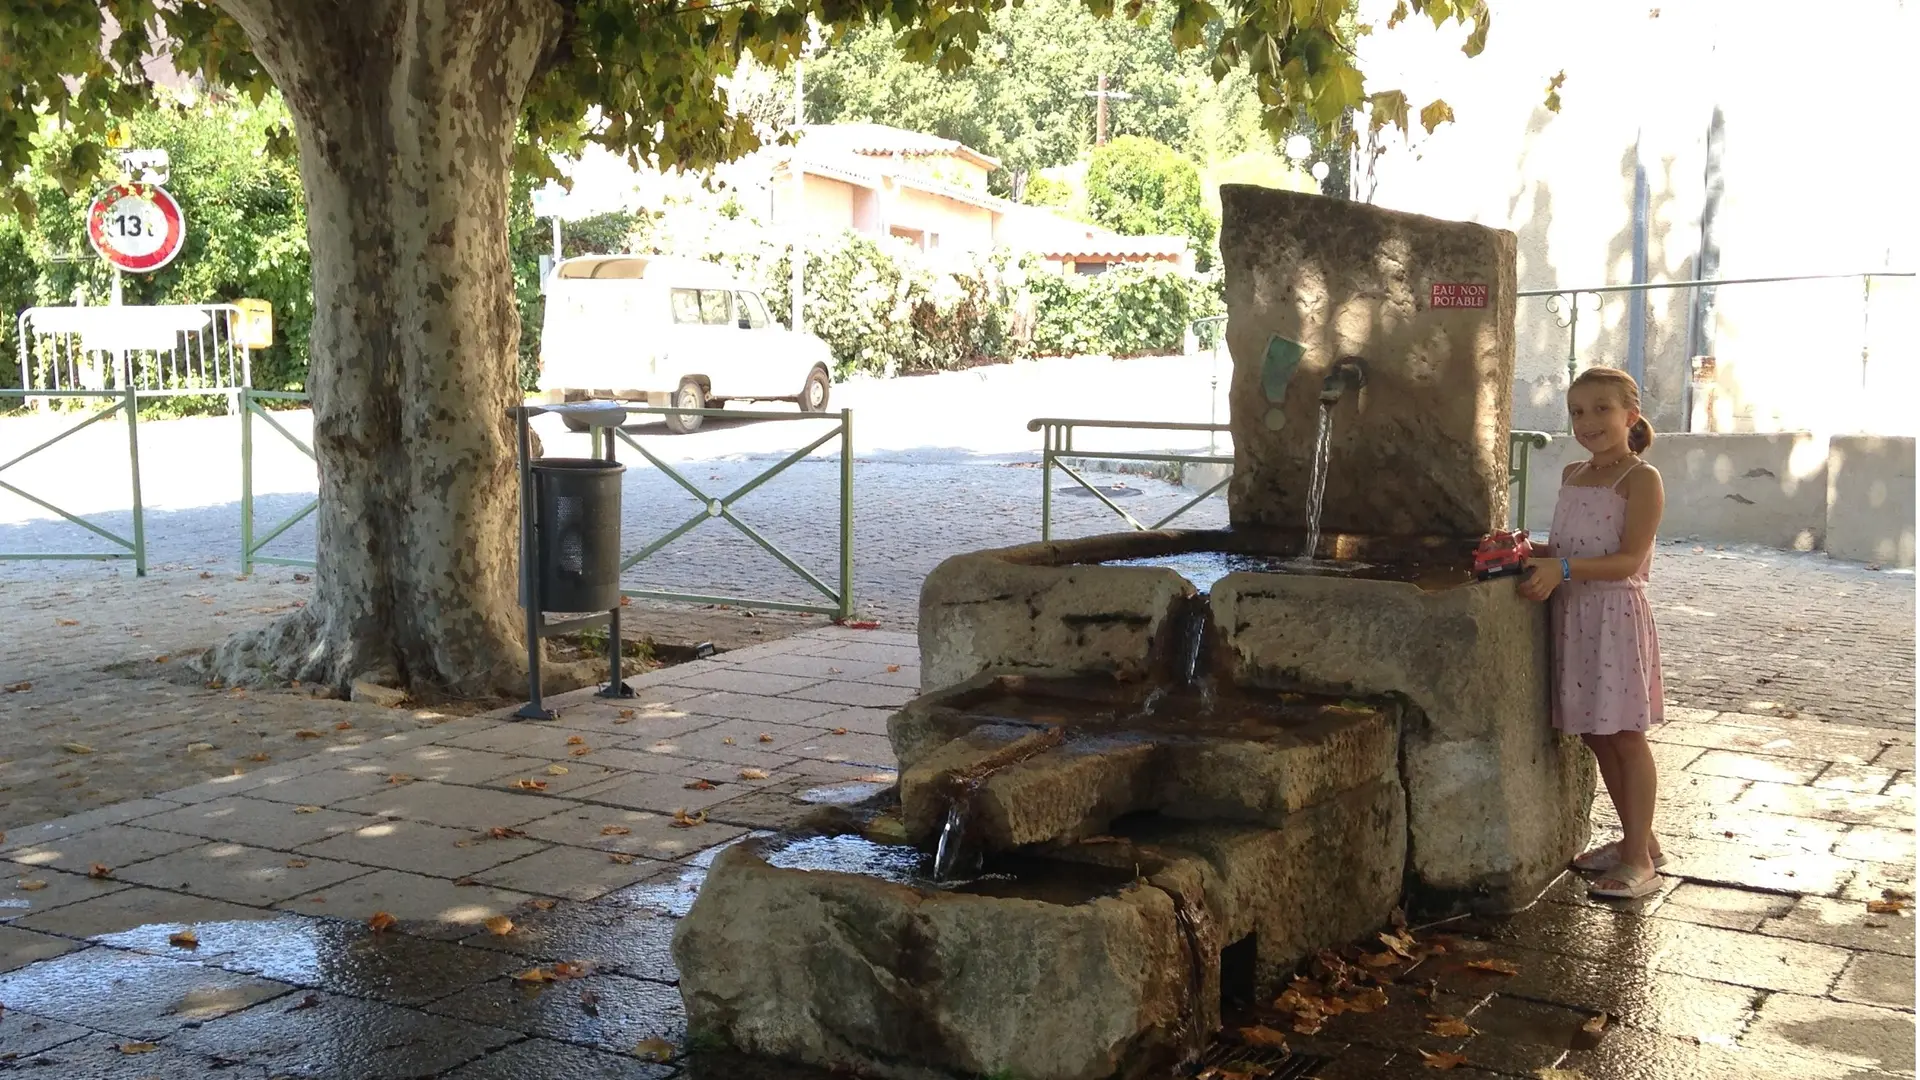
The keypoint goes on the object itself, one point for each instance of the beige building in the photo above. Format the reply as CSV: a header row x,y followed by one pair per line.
x,y
1689,144
932,193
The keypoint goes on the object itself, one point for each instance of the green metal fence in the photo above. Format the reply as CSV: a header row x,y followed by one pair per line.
x,y
839,601
125,402
250,545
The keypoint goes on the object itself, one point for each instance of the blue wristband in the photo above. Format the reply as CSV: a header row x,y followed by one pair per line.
x,y
1566,570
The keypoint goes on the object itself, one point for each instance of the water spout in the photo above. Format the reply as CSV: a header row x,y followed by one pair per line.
x,y
1349,373
948,852
1193,636
1317,490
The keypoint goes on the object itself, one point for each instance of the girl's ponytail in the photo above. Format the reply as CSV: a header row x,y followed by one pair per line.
x,y
1640,436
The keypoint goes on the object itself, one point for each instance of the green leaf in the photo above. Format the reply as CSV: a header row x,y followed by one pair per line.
x,y
1388,107
1436,112
1399,14
1477,41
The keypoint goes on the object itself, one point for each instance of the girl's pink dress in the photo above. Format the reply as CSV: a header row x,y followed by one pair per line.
x,y
1606,655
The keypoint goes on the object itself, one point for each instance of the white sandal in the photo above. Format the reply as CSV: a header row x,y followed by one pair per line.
x,y
1607,856
1629,888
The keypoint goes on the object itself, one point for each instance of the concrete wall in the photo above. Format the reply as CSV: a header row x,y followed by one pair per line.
x,y
1870,500
1808,184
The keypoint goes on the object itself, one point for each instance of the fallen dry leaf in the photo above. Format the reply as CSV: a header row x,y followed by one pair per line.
x,y
499,926
306,809
684,820
1401,943
580,751
1441,1059
311,1001
100,870
615,830
1448,1027
541,904
296,864
1595,1025
502,833
575,740
66,622
1379,960
534,975
627,714
530,785
1307,1025
381,922
259,757
185,939
1886,907
137,1048
565,970
1235,1070
764,737
1261,1035
654,1049
753,774
892,668
161,659
76,748
1371,1000
556,770
31,885
316,899
306,733
198,747
344,725
700,785
19,687
620,857
464,882
1494,965
399,778
838,731
1896,894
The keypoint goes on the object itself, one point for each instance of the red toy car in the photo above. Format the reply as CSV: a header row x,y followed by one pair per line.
x,y
1502,554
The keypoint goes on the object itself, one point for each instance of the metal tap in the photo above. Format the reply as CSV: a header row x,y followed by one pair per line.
x,y
1349,373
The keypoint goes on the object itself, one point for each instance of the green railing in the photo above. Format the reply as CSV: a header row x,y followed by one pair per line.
x,y
1057,443
250,545
839,601
126,401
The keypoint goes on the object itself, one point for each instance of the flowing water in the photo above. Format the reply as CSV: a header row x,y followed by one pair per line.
x,y
947,854
1322,449
1193,636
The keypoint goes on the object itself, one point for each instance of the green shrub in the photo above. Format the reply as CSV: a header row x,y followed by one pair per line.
x,y
1143,188
1129,311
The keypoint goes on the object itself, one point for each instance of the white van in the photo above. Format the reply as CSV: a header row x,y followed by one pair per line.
x,y
679,333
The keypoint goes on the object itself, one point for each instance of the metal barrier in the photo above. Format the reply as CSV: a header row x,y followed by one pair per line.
x,y
1057,441
249,546
840,601
134,547
1198,331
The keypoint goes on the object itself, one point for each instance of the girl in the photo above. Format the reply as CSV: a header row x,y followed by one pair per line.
x,y
1606,655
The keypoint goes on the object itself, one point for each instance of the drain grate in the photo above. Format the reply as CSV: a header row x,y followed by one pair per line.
x,y
1285,1065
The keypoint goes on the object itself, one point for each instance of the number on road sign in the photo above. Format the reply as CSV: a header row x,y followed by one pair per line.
x,y
136,227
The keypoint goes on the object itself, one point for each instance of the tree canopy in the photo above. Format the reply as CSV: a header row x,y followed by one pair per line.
x,y
1140,187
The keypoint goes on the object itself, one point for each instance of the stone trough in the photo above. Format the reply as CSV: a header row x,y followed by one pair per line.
x,y
1151,772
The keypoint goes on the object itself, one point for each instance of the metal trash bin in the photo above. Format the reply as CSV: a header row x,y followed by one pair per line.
x,y
577,501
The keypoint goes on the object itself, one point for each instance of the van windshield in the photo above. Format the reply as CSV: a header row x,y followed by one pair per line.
x,y
708,307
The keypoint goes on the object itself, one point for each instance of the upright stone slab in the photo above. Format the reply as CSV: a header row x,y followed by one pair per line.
x,y
1426,304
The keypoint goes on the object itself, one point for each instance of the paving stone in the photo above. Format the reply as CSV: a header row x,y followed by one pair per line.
x,y
867,695
1864,779
1833,805
1674,1004
545,1059
741,680
1877,979
1519,1037
624,1010
1720,735
343,1037
1845,924
578,773
239,874
46,832
243,779
661,793
815,668
629,720
876,652
574,873
1591,931
1874,881
1859,1036
624,757
864,721
454,806
1770,831
1729,956
325,954
1671,758
129,994
767,710
326,786
1741,866
135,906
1896,756
1901,787
23,1035
1869,843
421,848
746,748
647,833
458,764
49,889
429,907
259,822
671,891
99,1057
866,751
620,938
1570,888
1630,1054
1779,770
109,845
18,947
787,804
1731,909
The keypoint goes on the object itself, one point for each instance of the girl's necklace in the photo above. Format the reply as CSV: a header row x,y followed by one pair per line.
x,y
1601,466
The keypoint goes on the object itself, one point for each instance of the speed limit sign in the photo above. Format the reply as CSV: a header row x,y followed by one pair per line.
x,y
136,227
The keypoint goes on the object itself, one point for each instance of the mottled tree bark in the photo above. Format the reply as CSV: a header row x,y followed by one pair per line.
x,y
405,112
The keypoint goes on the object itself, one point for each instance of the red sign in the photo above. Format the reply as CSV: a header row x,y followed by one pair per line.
x,y
1458,294
136,227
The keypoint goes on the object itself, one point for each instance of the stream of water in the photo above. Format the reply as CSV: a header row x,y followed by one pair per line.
x,y
1322,449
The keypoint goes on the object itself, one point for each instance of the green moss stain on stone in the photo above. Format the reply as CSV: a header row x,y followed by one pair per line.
x,y
1276,374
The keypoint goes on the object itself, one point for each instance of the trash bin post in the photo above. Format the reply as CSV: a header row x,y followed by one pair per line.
x,y
616,683
529,578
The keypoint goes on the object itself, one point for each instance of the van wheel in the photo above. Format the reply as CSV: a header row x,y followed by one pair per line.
x,y
691,395
813,396
574,423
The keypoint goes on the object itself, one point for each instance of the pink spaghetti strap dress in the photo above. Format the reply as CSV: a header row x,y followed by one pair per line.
x,y
1606,655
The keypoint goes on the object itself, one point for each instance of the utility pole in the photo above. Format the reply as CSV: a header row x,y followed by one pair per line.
x,y
1100,97
797,261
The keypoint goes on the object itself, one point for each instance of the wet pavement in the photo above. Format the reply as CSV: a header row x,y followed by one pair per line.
x,y
527,879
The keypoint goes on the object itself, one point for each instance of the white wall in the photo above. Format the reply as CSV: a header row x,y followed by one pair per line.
x,y
1818,179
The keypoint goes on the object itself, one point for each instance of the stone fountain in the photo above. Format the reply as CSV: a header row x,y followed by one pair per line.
x,y
1151,772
